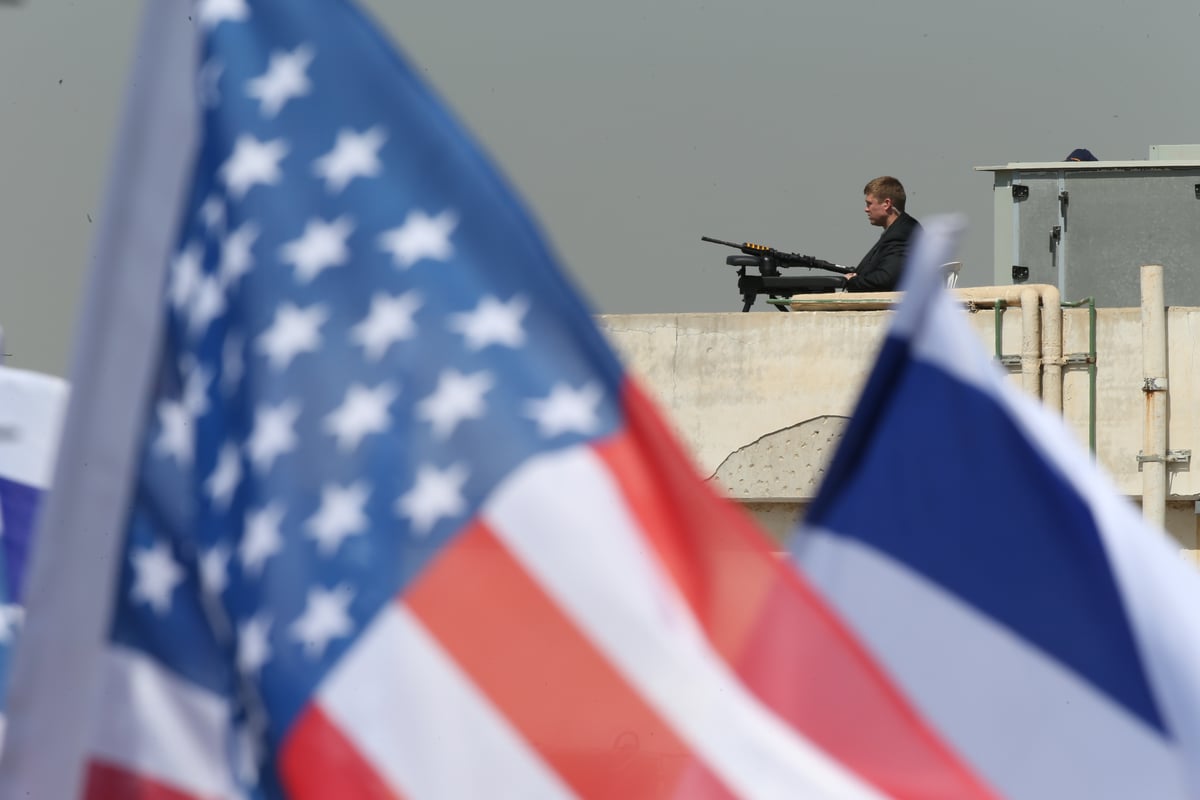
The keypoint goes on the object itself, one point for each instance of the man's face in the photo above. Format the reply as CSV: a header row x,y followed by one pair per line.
x,y
878,210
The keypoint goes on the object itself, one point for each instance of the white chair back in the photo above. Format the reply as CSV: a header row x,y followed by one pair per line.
x,y
952,269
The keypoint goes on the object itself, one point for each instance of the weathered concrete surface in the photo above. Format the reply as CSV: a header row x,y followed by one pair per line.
x,y
728,381
759,397
784,466
1120,401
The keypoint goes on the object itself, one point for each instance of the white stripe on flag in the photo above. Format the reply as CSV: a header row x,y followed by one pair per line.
x,y
421,723
1034,729
155,724
563,517
1161,594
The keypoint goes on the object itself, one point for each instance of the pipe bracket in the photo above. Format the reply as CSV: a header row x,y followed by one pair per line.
x,y
1172,457
1154,385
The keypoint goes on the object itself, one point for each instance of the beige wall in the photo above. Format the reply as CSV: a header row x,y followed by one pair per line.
x,y
760,398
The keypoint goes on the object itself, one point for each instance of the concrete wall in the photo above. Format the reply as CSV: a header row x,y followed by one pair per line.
x,y
761,398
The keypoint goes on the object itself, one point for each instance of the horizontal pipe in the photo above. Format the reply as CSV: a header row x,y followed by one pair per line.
x,y
980,296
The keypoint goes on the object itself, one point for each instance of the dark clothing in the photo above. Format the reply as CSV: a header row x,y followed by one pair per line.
x,y
880,269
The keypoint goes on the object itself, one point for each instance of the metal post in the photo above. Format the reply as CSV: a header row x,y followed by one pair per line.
x,y
1154,386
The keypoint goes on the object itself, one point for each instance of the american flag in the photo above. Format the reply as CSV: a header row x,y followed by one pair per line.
x,y
400,526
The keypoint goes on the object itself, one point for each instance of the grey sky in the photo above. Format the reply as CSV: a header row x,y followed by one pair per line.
x,y
632,128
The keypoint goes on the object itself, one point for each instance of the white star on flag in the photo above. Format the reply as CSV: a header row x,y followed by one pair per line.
x,y
458,397
252,162
262,538
225,477
254,644
236,258
176,438
294,331
214,565
212,213
326,617
567,410
363,411
186,271
354,155
340,516
195,390
421,236
208,303
390,320
435,494
492,322
155,576
213,12
274,434
322,245
284,80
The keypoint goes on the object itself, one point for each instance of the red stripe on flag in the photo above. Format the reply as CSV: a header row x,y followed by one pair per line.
x,y
789,647
551,683
712,549
110,782
318,762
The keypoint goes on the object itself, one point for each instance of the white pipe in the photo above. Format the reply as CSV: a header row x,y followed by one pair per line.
x,y
1031,343
1154,385
986,295
1052,348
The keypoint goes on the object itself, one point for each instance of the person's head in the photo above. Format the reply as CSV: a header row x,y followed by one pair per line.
x,y
885,199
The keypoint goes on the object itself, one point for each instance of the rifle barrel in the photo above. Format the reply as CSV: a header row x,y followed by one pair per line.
x,y
720,241
785,260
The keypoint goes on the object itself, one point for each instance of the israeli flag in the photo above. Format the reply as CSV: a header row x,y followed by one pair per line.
x,y
32,406
1033,618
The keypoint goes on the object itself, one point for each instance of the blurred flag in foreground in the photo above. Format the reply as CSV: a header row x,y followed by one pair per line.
x,y
360,504
1021,604
31,412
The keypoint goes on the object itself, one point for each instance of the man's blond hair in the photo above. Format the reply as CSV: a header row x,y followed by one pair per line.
x,y
885,187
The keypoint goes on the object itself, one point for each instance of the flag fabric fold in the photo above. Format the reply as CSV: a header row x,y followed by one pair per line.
x,y
1019,602
31,412
392,521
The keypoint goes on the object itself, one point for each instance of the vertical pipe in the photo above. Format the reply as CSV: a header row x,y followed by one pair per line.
x,y
1060,246
1154,386
1091,301
1052,348
1031,343
998,318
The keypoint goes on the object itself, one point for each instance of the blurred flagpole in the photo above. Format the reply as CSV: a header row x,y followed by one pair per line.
x,y
111,374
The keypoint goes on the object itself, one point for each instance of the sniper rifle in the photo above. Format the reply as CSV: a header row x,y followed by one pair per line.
x,y
768,281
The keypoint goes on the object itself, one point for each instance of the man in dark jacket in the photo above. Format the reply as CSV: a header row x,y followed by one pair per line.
x,y
880,269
